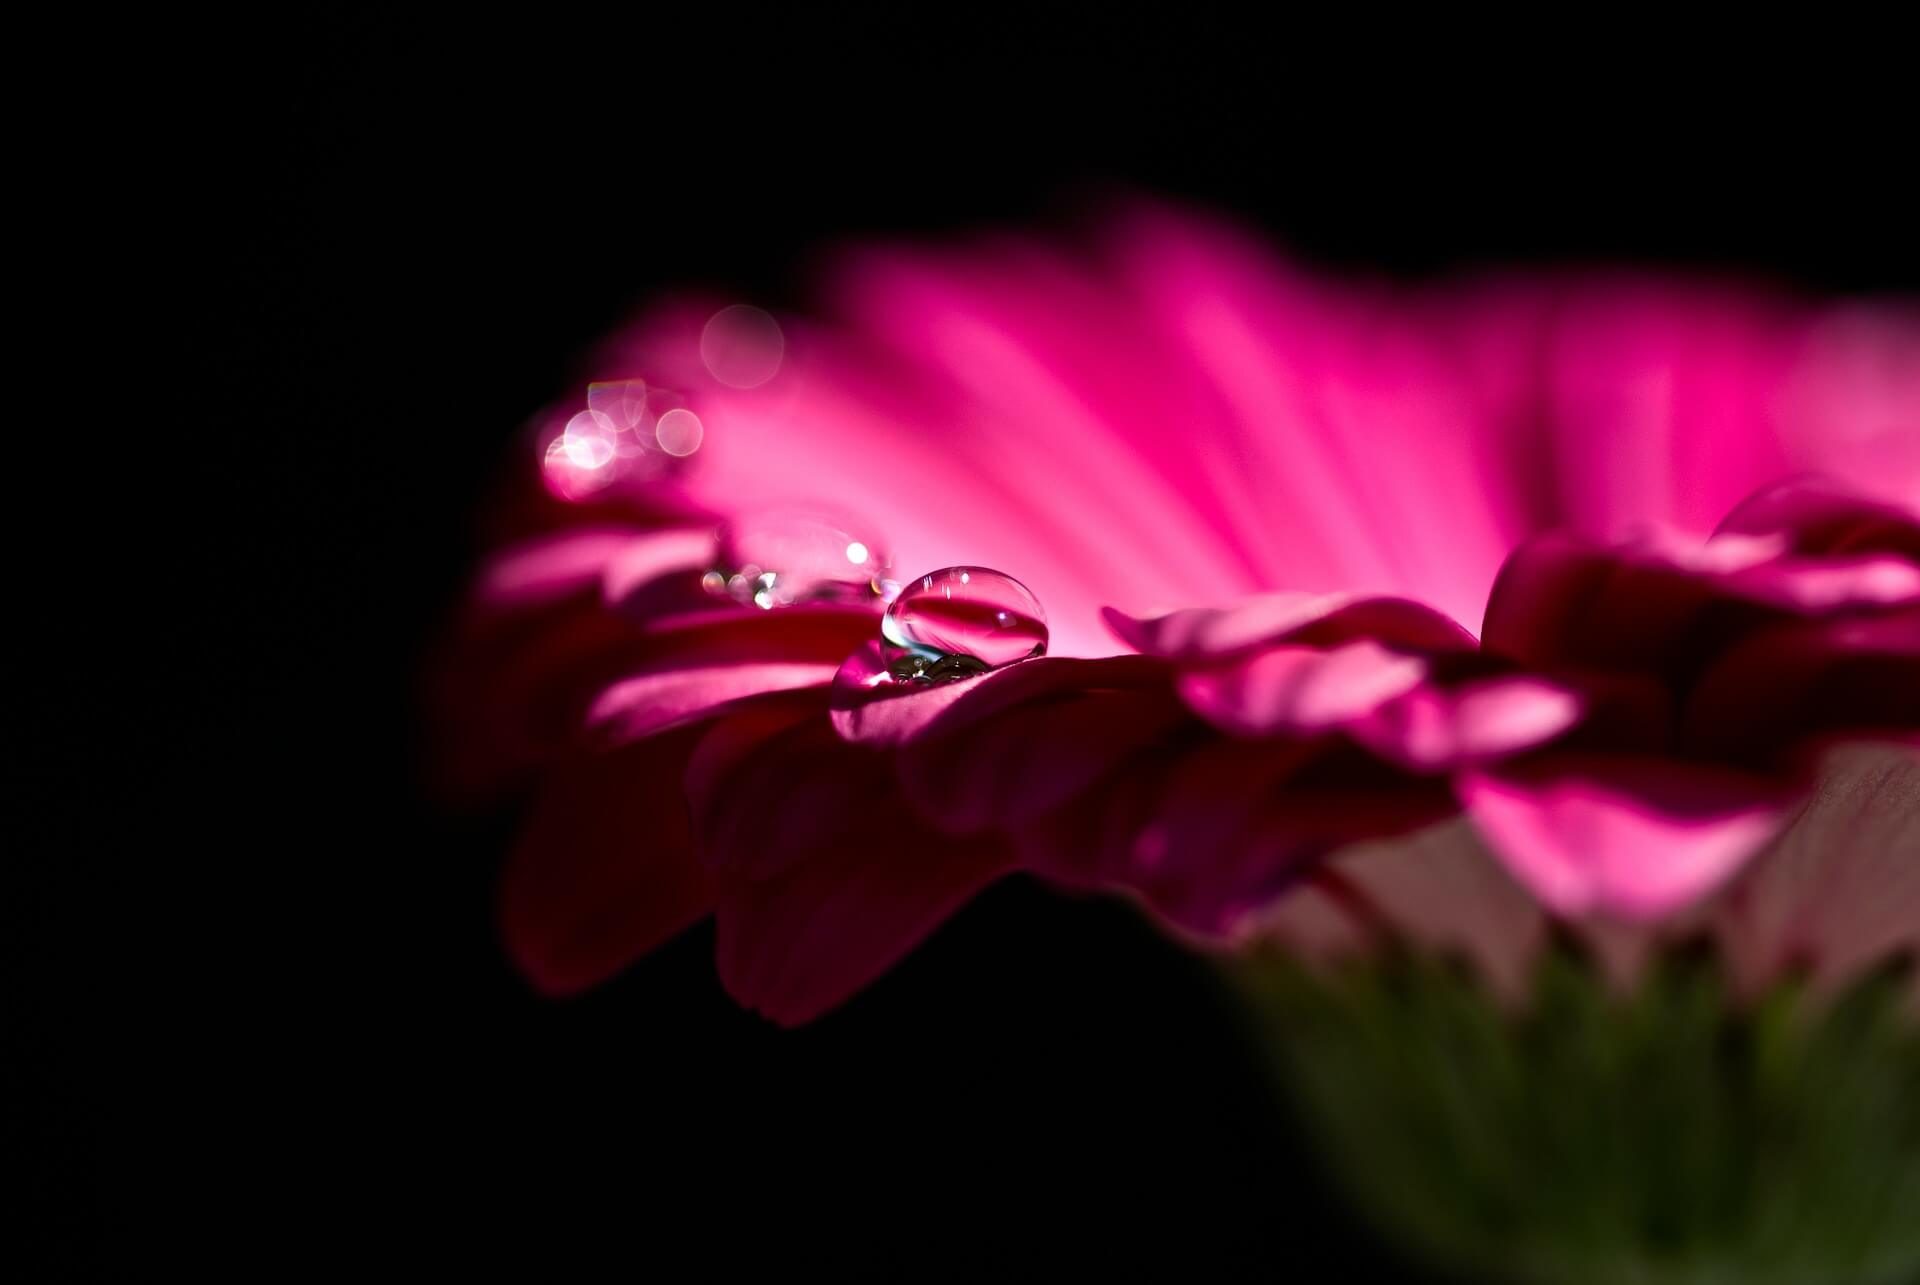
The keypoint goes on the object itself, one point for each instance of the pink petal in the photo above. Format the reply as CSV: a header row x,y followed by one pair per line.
x,y
824,879
803,941
551,567
870,708
1029,741
1638,838
652,703
1300,689
723,633
1340,428
1218,633
1781,688
1559,602
1209,834
603,870
1823,517
767,782
1659,398
657,554
1432,728
1825,585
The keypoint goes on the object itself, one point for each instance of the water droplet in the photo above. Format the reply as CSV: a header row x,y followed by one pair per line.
x,y
784,556
961,621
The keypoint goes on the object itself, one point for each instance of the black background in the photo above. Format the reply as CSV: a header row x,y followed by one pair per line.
x,y
266,1025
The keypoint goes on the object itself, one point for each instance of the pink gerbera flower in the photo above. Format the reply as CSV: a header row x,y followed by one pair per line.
x,y
1202,577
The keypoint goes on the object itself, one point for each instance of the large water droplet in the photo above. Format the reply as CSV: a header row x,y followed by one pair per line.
x,y
961,621
780,557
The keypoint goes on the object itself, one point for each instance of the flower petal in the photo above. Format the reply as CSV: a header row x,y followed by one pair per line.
x,y
1220,633
1637,838
870,708
1777,690
1300,689
651,703
604,869
803,941
630,567
1661,606
1822,517
1209,833
551,567
1433,728
1009,750
823,877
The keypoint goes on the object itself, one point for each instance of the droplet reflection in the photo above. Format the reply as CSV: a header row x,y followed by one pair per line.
x,y
960,621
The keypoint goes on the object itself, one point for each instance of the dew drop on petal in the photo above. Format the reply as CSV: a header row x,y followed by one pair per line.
x,y
961,621
786,556
742,346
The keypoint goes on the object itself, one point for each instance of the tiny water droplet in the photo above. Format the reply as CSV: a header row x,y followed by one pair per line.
x,y
961,621
784,556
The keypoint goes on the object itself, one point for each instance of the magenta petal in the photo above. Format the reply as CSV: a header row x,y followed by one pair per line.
x,y
724,633
1660,606
1638,838
552,567
1174,825
1431,729
1299,689
604,868
769,783
1217,633
1819,517
1824,585
1559,602
823,878
1781,687
653,555
870,708
805,940
650,703
1023,744
1211,833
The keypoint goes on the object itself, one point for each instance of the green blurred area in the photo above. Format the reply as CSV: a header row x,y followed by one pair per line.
x,y
1661,1135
